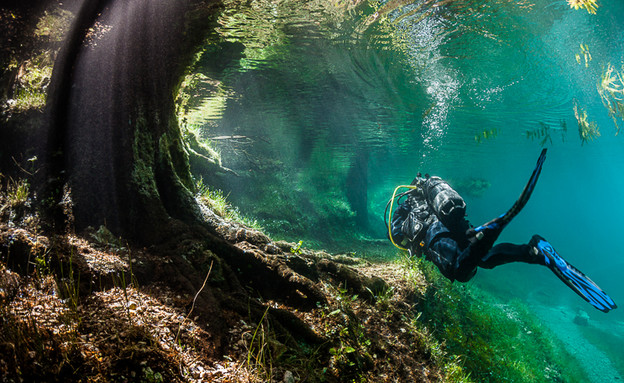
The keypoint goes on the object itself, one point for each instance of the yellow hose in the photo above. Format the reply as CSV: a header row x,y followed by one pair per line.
x,y
390,214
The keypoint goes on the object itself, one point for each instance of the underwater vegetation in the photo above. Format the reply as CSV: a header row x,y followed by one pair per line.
x,y
218,203
495,341
294,211
589,5
588,130
611,91
543,132
486,134
28,69
584,55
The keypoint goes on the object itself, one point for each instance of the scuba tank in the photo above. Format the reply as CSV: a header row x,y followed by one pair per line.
x,y
445,202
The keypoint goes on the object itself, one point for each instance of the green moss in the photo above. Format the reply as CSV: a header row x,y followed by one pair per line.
x,y
191,136
32,80
143,172
54,24
32,61
173,156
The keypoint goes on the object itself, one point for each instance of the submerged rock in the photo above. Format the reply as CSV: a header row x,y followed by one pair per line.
x,y
581,318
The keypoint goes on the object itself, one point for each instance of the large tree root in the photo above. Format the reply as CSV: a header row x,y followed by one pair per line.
x,y
308,306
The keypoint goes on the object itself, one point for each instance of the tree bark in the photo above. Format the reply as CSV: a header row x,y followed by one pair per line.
x,y
113,134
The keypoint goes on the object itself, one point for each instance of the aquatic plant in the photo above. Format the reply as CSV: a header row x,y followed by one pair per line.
x,y
28,68
260,354
216,201
589,5
297,248
588,131
32,79
493,341
543,132
17,192
486,134
584,55
611,91
609,80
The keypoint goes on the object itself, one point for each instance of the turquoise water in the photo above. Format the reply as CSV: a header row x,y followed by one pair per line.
x,y
366,96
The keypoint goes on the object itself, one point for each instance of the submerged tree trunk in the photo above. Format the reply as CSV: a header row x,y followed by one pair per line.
x,y
113,133
357,187
114,139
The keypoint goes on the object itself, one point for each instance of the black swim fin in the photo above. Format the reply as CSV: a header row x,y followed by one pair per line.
x,y
571,276
498,224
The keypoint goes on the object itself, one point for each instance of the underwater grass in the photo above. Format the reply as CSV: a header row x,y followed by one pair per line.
x,y
218,203
495,342
17,192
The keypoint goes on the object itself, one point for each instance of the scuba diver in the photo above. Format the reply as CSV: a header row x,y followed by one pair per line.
x,y
431,221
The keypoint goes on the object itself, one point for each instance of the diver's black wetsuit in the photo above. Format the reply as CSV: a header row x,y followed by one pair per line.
x,y
432,221
458,258
447,244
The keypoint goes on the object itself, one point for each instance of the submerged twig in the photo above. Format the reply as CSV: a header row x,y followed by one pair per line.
x,y
193,305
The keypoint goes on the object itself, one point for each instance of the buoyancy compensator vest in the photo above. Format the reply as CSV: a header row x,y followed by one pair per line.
x,y
418,221
428,199
408,224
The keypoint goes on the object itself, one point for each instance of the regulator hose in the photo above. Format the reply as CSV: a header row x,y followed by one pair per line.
x,y
388,217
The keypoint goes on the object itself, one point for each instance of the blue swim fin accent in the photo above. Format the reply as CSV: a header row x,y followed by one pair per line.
x,y
500,222
573,277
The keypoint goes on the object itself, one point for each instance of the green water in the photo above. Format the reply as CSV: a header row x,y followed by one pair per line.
x,y
331,99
